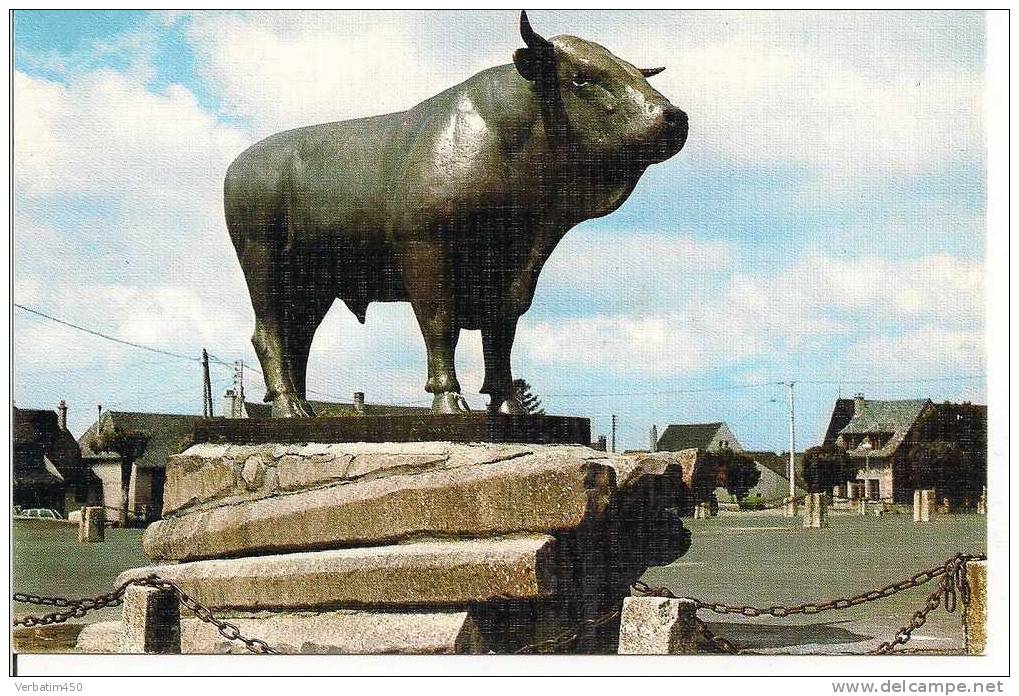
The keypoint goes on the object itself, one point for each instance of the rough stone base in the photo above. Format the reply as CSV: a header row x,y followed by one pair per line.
x,y
658,626
329,633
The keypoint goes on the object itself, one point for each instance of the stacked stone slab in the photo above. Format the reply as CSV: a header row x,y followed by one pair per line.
x,y
414,547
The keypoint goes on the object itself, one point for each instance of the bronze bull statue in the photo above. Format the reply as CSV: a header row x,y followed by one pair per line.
x,y
453,205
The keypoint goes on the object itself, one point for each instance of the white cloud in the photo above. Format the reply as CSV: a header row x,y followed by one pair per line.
x,y
816,303
924,352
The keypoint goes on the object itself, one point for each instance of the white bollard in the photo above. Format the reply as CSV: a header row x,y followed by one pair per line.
x,y
151,621
92,526
974,616
815,511
923,502
658,626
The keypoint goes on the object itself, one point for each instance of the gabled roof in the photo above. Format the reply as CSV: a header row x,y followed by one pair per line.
x,y
164,434
331,409
779,464
39,430
688,436
885,416
891,418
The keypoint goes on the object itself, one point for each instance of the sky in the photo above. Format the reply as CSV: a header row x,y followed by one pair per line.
x,y
825,223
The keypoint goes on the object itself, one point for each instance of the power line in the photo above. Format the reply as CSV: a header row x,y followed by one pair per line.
x,y
107,336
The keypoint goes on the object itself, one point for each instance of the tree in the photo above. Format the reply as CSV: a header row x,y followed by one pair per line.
x,y
529,402
826,466
946,468
737,472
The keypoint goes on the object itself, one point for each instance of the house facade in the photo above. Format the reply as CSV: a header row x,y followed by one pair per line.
x,y
713,437
877,435
47,467
127,452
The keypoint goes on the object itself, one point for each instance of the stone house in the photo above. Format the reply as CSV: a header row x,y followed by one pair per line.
x,y
127,451
877,434
712,437
47,470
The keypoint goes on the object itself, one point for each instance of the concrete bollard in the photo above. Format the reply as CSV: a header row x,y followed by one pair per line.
x,y
923,503
982,503
789,508
92,526
151,621
658,626
815,511
701,511
974,616
861,507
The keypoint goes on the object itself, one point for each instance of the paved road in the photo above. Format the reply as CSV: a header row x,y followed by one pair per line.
x,y
765,560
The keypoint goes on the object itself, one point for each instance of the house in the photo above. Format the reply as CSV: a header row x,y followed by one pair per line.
x,y
773,486
712,437
128,451
877,435
47,468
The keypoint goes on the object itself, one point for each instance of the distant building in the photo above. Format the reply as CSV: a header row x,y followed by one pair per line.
x,y
877,435
234,406
127,452
47,466
713,437
709,437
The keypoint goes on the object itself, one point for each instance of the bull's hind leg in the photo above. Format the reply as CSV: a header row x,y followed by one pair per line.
x,y
270,338
430,291
496,344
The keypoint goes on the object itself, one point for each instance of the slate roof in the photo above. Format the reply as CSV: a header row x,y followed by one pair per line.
x,y
779,464
38,430
894,418
165,434
331,409
688,436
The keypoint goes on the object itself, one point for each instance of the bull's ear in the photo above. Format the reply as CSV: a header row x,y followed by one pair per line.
x,y
650,72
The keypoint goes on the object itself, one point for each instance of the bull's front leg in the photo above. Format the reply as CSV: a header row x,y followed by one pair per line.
x,y
429,288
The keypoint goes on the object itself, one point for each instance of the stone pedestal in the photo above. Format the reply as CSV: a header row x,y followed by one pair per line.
x,y
815,511
974,617
702,511
455,547
923,505
92,527
658,626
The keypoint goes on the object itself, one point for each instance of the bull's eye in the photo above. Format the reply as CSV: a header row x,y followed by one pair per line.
x,y
581,80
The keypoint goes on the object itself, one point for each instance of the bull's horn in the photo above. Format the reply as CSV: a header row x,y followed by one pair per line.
x,y
530,37
650,72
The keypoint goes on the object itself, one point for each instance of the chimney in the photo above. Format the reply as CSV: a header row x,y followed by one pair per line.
x,y
359,402
233,404
603,443
858,403
62,415
653,437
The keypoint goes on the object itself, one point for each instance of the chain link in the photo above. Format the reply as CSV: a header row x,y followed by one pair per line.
x,y
565,638
952,588
80,607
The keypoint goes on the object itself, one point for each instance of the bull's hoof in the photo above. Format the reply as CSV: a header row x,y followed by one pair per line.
x,y
291,406
449,402
510,406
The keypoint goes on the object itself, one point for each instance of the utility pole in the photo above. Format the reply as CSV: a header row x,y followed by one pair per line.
x,y
790,510
206,386
614,423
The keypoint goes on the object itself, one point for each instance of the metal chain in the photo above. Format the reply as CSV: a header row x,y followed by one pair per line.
x,y
953,587
561,640
81,607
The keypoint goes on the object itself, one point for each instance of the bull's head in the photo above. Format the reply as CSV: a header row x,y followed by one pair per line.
x,y
598,102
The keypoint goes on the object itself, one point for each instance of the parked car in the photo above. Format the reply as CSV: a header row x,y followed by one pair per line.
x,y
38,514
